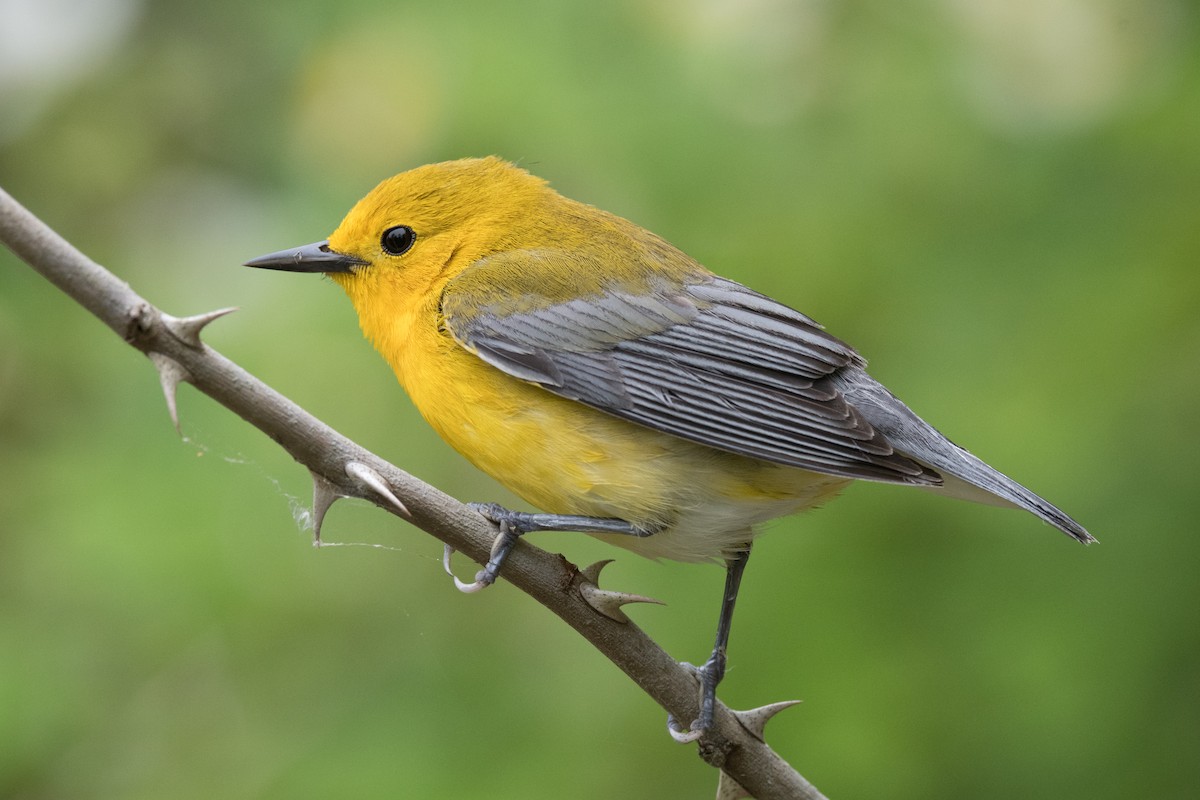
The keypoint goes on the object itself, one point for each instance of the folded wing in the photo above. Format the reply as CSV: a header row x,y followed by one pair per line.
x,y
707,360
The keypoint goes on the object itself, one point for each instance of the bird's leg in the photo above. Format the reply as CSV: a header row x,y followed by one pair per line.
x,y
514,524
714,669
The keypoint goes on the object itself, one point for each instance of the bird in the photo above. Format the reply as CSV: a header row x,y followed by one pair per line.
x,y
616,384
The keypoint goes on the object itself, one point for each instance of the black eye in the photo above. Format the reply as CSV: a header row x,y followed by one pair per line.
x,y
396,241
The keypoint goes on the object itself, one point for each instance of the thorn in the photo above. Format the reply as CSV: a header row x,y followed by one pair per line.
x,y
374,481
609,603
325,494
729,789
170,373
755,720
187,329
604,601
591,573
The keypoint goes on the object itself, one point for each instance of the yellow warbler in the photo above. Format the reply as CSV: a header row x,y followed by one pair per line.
x,y
612,381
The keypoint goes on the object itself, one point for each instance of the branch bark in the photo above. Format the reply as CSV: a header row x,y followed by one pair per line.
x,y
735,743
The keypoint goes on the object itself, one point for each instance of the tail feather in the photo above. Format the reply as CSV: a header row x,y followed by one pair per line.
x,y
965,475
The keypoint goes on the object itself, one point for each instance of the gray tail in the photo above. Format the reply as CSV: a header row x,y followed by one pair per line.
x,y
964,475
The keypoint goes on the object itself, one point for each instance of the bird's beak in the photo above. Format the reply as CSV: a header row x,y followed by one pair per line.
x,y
315,257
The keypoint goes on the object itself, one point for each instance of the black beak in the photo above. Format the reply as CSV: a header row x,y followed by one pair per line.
x,y
316,257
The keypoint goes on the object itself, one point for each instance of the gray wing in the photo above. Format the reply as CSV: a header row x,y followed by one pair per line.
x,y
709,360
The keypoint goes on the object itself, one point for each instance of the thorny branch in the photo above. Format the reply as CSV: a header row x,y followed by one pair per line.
x,y
342,468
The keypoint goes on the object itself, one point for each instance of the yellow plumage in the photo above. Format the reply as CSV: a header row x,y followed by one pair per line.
x,y
557,454
612,381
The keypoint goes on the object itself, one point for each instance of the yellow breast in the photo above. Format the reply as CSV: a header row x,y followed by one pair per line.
x,y
568,458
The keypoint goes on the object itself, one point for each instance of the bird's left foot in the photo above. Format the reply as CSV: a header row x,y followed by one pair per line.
x,y
511,524
515,524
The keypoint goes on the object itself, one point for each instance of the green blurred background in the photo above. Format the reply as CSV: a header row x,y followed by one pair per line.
x,y
995,200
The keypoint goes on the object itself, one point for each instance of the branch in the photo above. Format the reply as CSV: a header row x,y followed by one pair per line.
x,y
342,468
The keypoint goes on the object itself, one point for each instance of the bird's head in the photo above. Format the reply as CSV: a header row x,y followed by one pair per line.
x,y
416,230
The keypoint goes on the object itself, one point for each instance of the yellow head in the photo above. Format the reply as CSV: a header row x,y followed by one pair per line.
x,y
416,230
402,242
399,246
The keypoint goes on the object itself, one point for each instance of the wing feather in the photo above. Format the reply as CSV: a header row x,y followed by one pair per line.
x,y
707,360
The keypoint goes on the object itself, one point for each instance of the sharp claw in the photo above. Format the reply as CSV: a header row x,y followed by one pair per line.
x,y
170,373
467,588
679,734
447,551
693,732
375,482
187,329
470,588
